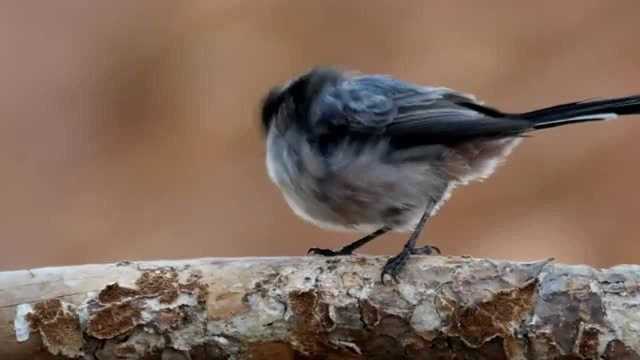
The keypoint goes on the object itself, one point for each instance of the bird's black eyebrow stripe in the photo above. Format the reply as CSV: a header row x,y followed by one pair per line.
x,y
307,88
300,93
270,106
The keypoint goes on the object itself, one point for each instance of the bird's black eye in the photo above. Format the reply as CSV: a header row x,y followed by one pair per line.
x,y
270,107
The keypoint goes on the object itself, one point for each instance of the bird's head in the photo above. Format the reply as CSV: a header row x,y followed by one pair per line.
x,y
292,103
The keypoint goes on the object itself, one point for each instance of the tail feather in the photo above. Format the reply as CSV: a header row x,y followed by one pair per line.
x,y
583,111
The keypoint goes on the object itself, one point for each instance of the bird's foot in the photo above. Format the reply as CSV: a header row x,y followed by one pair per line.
x,y
350,248
426,250
328,252
394,266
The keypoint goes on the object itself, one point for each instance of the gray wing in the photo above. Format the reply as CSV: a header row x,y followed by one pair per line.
x,y
415,115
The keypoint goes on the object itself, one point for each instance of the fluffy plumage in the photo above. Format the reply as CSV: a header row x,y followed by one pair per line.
x,y
369,152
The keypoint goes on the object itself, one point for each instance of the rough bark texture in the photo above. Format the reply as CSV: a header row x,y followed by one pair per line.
x,y
321,308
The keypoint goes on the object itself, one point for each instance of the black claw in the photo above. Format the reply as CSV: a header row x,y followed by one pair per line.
x,y
382,277
326,252
395,265
426,250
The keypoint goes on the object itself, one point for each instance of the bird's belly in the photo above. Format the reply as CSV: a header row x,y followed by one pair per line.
x,y
326,214
341,206
358,191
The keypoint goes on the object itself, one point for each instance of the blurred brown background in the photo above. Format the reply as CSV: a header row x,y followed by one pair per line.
x,y
129,130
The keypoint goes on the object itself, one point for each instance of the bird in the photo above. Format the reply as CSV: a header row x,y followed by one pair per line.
x,y
373,154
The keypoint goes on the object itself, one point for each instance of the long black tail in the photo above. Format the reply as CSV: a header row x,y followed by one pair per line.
x,y
591,110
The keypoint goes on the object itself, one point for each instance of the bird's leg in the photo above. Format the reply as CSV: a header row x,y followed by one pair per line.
x,y
396,263
350,248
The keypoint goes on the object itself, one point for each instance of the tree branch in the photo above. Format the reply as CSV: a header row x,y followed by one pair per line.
x,y
321,308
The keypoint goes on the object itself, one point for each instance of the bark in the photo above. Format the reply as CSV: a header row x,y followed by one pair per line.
x,y
321,308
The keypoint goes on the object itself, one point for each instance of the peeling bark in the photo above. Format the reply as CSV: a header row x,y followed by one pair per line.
x,y
321,308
